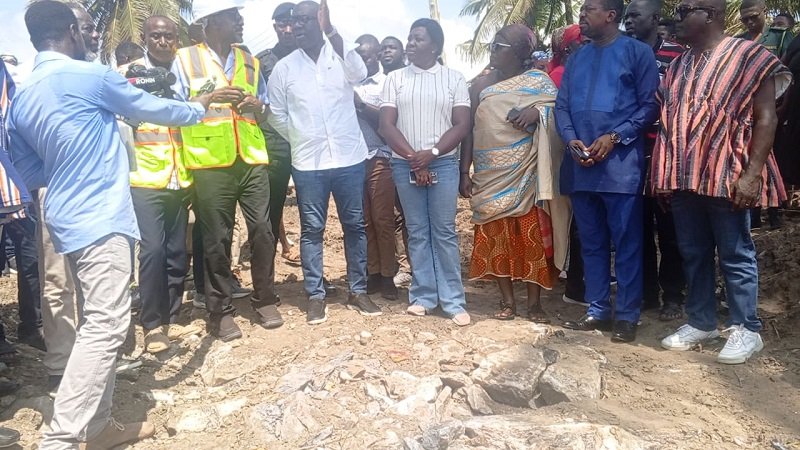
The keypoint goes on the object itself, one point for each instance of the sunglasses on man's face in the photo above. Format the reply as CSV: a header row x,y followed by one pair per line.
x,y
301,20
496,46
683,11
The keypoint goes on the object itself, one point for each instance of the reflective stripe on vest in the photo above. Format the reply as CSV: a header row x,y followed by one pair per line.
x,y
157,156
223,132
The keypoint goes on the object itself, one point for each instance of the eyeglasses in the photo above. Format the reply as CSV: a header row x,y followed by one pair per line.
x,y
301,20
496,46
683,10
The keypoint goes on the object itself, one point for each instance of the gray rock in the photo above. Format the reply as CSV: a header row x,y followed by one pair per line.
x,y
195,420
511,376
421,403
441,402
455,380
297,418
221,366
264,420
439,437
576,376
525,432
401,384
296,379
412,444
322,373
478,400
425,336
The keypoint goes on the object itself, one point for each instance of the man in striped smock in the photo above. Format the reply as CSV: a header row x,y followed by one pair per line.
x,y
713,159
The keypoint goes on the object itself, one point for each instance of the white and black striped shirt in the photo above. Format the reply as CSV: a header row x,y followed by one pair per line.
x,y
424,100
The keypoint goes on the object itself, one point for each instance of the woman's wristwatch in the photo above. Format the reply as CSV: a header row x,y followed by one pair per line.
x,y
435,151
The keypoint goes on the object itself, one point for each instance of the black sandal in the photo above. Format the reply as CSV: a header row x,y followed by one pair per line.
x,y
507,312
537,315
670,312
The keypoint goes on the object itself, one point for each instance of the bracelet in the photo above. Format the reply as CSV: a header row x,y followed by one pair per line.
x,y
333,33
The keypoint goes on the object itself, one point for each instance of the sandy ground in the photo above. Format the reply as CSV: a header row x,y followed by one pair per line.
x,y
673,400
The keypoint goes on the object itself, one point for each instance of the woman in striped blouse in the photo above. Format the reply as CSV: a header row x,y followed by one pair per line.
x,y
425,114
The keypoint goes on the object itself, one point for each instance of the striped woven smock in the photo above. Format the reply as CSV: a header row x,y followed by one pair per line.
x,y
707,121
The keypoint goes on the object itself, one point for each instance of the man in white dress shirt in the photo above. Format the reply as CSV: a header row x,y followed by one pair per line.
x,y
311,91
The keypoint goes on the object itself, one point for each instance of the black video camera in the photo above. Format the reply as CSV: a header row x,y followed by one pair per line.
x,y
157,81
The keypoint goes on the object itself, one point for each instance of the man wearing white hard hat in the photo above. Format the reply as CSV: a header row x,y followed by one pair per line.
x,y
228,158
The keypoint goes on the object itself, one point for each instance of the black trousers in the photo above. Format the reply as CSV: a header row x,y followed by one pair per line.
x,y
163,217
575,288
197,258
22,233
216,192
668,273
280,170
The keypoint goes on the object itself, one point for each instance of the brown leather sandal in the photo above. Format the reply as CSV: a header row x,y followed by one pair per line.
x,y
507,312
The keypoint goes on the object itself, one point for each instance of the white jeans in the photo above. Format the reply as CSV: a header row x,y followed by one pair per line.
x,y
83,403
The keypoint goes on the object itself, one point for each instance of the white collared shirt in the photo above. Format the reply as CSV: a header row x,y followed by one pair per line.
x,y
424,100
312,107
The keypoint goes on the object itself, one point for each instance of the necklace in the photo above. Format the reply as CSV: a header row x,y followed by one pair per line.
x,y
689,65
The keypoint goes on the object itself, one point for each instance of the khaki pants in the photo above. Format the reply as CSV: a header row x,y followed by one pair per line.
x,y
59,311
83,402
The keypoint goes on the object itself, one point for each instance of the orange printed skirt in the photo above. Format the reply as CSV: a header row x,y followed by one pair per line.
x,y
520,248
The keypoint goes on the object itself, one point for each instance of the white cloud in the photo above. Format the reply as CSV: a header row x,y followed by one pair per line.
x,y
351,17
356,17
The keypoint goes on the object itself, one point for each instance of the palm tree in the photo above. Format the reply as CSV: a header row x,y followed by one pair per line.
x,y
122,20
435,15
543,16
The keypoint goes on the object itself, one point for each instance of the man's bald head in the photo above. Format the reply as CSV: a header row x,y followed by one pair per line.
x,y
307,7
159,21
761,4
648,7
160,35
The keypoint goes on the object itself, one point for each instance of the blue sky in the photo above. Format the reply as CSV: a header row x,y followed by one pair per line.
x,y
352,18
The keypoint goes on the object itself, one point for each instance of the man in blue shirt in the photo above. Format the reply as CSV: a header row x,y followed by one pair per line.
x,y
64,136
607,100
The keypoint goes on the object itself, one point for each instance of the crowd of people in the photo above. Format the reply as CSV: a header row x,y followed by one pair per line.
x,y
653,145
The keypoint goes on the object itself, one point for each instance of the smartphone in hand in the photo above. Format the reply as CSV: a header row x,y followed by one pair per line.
x,y
580,153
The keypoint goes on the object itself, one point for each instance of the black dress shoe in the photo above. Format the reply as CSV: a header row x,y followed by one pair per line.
x,y
588,323
624,331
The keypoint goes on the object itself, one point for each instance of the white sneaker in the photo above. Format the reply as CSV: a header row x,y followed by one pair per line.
x,y
741,345
402,279
687,337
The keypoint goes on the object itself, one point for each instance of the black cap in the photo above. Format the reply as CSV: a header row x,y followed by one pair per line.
x,y
284,10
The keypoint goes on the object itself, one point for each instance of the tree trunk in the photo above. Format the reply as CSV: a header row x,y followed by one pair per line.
x,y
435,15
568,12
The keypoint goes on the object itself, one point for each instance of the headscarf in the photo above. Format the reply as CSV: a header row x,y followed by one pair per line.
x,y
562,39
522,40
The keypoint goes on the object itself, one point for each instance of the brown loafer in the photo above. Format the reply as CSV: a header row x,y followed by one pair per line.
x,y
115,434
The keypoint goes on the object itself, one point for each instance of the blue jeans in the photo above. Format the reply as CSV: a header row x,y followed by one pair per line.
x,y
703,224
602,218
430,213
314,189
